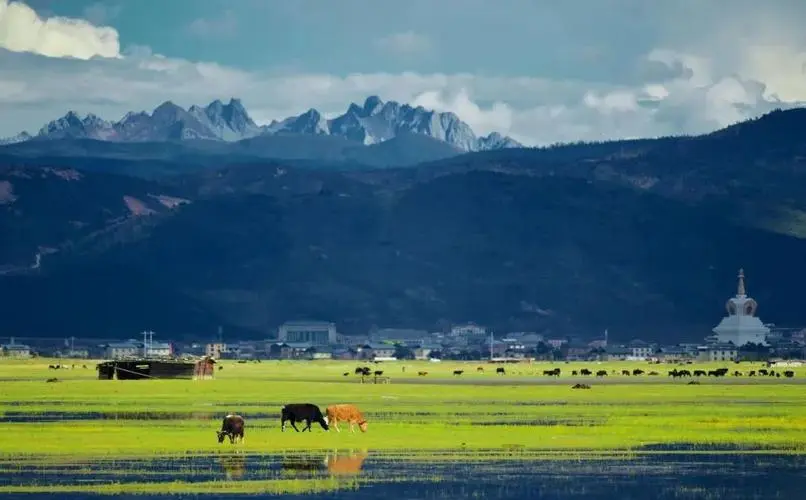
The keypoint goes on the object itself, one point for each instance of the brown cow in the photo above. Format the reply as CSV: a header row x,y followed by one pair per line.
x,y
231,427
345,413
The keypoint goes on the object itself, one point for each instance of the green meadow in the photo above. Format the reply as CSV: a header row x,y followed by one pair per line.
x,y
154,437
520,412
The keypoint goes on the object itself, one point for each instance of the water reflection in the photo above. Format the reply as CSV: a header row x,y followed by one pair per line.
x,y
346,463
234,466
359,475
302,463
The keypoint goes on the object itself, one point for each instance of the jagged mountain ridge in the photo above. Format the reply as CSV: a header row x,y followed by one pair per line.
x,y
373,123
643,237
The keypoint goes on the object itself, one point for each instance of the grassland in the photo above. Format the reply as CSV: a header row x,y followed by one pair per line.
x,y
157,417
440,417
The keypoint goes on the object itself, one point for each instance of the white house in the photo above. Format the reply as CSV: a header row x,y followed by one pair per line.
x,y
158,350
468,329
128,349
719,352
15,351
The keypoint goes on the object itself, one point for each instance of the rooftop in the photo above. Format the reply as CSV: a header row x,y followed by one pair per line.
x,y
309,322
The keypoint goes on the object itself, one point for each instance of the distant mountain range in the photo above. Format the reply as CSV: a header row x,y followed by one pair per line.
x,y
373,123
642,237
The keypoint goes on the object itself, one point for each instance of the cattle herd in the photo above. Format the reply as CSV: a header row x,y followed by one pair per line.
x,y
233,425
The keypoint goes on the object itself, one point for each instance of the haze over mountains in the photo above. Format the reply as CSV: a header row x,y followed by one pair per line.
x,y
641,237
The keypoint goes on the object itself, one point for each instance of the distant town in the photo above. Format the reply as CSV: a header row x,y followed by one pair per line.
x,y
739,336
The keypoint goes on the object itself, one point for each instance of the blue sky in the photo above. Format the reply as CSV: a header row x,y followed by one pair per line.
x,y
541,71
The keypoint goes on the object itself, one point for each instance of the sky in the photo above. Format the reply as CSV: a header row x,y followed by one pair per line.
x,y
539,71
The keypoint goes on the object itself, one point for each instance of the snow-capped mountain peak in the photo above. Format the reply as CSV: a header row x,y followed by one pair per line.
x,y
373,122
372,105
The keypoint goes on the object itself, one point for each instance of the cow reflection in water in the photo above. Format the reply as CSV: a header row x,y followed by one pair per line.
x,y
234,466
345,464
301,463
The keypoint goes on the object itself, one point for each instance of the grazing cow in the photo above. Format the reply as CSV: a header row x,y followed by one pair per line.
x,y
232,426
500,370
789,374
601,373
54,379
345,413
580,386
625,372
585,372
362,370
574,373
297,412
637,372
422,374
378,373
480,369
552,373
458,372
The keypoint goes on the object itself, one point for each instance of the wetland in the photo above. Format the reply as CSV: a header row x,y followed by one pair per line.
x,y
730,438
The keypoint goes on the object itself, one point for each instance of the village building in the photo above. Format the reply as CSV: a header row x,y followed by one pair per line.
x,y
640,349
424,351
215,349
158,350
406,336
318,352
617,353
14,350
314,332
741,326
120,350
468,329
377,351
718,352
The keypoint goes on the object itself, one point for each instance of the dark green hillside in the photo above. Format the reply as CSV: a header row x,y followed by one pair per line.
x,y
514,252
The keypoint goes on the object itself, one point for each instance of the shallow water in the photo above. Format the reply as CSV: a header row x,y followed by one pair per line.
x,y
368,475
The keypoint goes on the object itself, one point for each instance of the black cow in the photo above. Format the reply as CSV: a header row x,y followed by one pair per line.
x,y
500,370
232,426
297,412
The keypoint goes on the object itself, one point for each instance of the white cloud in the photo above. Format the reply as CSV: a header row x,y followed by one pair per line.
x,y
22,30
226,25
407,43
682,90
497,118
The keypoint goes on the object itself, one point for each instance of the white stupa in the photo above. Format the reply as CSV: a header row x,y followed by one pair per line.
x,y
740,326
